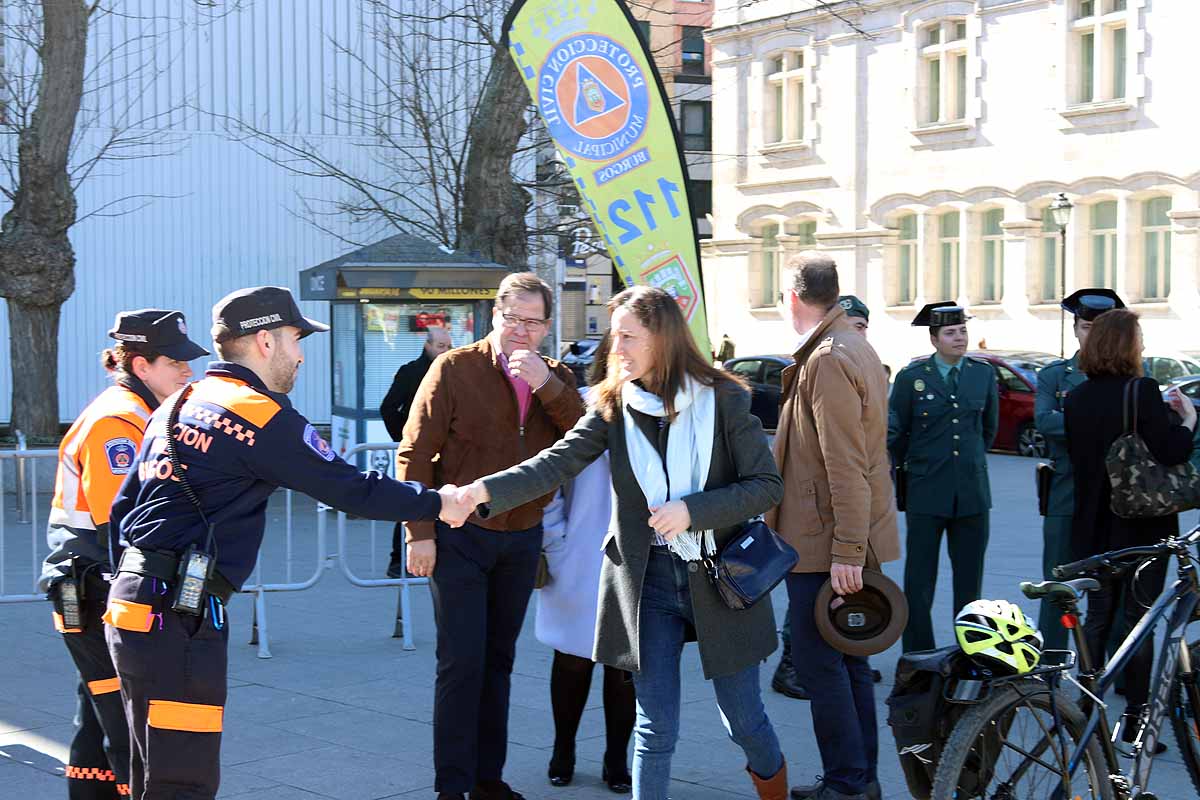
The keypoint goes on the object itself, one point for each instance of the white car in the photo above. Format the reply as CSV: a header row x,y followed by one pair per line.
x,y
1167,367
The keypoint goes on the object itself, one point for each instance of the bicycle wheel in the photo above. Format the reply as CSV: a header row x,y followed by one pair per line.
x,y
1185,724
1006,748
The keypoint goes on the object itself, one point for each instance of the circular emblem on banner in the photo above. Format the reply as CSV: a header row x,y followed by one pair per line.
x,y
594,97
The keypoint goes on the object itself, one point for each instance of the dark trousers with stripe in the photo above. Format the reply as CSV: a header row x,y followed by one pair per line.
x,y
966,542
98,764
173,683
481,585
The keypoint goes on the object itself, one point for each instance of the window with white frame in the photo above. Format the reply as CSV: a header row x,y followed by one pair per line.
x,y
948,246
1050,257
766,292
1098,32
784,100
906,261
1156,248
991,283
1102,239
943,83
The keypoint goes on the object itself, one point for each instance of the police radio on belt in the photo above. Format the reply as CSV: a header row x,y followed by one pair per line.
x,y
68,595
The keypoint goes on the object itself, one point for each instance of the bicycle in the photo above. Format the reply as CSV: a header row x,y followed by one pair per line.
x,y
1024,738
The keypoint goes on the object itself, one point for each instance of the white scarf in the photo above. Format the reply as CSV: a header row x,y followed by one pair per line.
x,y
689,451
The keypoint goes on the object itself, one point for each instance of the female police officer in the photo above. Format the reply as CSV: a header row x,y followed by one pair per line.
x,y
943,416
149,362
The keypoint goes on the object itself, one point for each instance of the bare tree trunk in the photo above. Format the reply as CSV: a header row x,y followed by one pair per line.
x,y
494,206
37,263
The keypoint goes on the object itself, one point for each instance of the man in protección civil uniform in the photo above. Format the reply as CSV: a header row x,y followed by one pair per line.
x,y
1054,382
148,363
943,415
237,439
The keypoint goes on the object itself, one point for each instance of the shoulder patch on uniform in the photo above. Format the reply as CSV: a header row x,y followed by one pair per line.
x,y
317,444
120,453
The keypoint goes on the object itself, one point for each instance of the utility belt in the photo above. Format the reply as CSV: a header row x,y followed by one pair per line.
x,y
164,565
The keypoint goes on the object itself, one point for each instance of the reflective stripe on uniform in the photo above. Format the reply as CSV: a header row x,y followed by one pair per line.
x,y
129,616
175,716
104,686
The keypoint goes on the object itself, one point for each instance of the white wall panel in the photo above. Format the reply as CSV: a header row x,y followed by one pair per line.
x,y
224,217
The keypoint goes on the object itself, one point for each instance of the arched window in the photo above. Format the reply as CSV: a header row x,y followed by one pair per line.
x,y
1156,248
906,260
991,284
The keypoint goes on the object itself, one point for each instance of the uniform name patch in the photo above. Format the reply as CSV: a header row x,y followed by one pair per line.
x,y
121,453
317,444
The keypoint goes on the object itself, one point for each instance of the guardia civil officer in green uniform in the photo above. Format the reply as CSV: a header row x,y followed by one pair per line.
x,y
1054,382
943,416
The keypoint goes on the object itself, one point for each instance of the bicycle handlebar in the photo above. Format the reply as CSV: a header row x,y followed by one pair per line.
x,y
1108,563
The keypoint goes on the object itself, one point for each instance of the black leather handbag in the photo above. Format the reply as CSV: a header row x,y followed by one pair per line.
x,y
750,565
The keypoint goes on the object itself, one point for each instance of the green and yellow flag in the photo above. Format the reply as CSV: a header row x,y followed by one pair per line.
x,y
602,100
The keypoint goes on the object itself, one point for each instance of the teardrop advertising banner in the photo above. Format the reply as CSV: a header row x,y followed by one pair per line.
x,y
602,100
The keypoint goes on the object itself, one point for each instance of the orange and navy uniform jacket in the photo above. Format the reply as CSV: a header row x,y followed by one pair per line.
x,y
95,456
237,442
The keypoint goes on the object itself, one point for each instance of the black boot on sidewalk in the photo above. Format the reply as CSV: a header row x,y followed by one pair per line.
x,y
784,680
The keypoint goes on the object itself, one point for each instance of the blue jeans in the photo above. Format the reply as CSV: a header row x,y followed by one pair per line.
x,y
842,690
666,617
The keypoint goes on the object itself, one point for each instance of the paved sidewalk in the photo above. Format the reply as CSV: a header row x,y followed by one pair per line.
x,y
341,711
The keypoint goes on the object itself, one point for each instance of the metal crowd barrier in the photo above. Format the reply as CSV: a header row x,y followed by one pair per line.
x,y
26,490
27,512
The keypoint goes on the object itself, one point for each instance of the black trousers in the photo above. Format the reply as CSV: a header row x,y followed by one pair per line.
x,y
98,764
172,669
1102,621
481,585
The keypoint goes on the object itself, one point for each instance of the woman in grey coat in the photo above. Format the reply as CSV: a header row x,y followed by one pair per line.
x,y
689,465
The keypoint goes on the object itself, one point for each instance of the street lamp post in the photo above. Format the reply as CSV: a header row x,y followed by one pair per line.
x,y
1060,212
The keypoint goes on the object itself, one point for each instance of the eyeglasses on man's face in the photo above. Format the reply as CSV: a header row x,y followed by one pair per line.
x,y
513,321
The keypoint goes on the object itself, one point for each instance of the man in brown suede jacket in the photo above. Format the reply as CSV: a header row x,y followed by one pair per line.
x,y
838,512
481,409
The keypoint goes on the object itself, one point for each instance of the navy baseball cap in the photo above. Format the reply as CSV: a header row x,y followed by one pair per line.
x,y
1087,304
939,315
261,308
158,331
854,307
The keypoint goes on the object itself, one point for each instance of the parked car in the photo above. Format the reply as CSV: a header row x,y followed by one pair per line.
x,y
1016,383
1169,367
1190,386
764,374
579,358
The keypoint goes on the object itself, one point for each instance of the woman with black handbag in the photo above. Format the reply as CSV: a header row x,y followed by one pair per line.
x,y
1116,400
690,466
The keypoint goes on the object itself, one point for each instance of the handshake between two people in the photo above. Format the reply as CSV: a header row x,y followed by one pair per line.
x,y
459,502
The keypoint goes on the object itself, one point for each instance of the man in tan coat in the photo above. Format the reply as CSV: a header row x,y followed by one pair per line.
x,y
838,512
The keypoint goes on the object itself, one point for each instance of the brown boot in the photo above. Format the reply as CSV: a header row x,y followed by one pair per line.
x,y
772,788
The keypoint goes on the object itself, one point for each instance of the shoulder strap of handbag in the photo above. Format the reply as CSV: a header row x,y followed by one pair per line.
x,y
1130,406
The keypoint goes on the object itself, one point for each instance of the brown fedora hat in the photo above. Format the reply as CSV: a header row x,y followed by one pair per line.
x,y
866,622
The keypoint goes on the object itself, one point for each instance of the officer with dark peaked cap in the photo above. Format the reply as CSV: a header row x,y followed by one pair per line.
x,y
236,438
1054,382
943,416
149,364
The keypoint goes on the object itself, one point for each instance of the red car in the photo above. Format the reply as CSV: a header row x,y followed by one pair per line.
x,y
1016,381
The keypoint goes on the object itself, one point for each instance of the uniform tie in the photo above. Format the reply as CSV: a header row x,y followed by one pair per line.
x,y
952,380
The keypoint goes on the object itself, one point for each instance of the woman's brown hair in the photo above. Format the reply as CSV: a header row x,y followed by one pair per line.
x,y
1113,347
676,356
118,359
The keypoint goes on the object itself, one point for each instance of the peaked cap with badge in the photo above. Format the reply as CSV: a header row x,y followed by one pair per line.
x,y
158,331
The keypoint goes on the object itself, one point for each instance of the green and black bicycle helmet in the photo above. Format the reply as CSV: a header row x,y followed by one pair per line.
x,y
998,635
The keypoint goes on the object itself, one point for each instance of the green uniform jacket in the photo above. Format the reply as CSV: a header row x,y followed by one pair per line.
x,y
943,439
1054,382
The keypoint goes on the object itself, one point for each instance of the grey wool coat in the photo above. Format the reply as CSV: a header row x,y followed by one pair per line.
x,y
742,483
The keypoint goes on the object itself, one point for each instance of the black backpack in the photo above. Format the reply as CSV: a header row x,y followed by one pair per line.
x,y
920,715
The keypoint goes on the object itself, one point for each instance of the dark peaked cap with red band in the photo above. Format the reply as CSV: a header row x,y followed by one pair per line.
x,y
261,308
